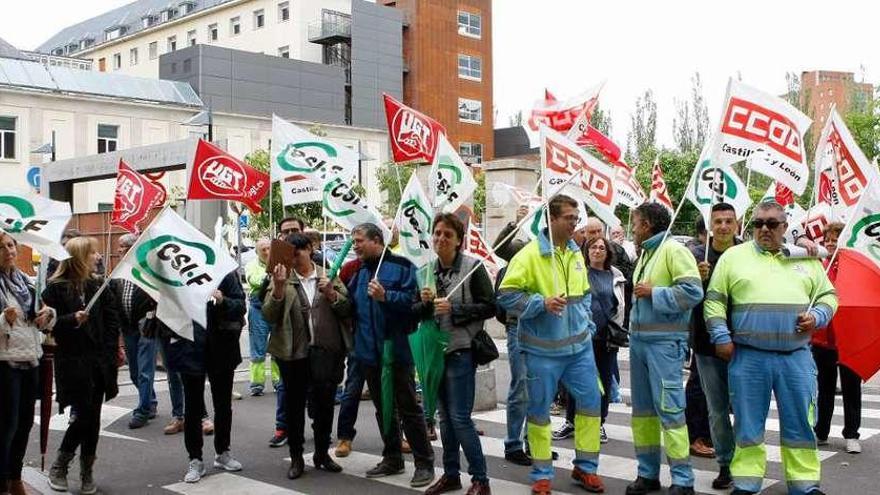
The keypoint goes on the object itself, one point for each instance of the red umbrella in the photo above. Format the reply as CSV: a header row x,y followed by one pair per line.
x,y
856,335
46,375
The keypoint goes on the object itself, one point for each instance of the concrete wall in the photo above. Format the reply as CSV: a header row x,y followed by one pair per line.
x,y
245,83
376,61
518,172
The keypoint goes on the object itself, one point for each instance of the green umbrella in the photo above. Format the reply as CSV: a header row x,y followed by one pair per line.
x,y
428,346
387,385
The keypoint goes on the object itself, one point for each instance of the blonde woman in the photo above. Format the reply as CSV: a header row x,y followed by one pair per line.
x,y
85,359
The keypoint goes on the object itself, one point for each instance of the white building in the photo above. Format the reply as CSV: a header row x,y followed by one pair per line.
x,y
131,38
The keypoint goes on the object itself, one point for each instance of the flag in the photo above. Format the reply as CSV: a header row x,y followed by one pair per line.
x,y
584,134
627,190
767,132
561,158
659,193
501,194
35,221
218,175
135,197
451,181
345,207
842,168
716,183
414,223
302,162
862,232
475,245
179,267
415,137
560,116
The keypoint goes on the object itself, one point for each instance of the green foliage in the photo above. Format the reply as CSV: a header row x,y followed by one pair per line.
x,y
601,120
480,196
690,126
863,121
641,141
392,180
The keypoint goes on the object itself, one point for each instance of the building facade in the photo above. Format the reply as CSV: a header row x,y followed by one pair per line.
x,y
823,89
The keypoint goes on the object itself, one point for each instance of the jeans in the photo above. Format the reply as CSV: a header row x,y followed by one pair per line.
x,y
605,359
221,396
851,388
258,336
351,399
407,409
713,377
697,411
86,423
175,384
457,429
141,352
310,381
517,395
18,393
280,408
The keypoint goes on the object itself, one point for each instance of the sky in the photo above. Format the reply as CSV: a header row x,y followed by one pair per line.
x,y
570,45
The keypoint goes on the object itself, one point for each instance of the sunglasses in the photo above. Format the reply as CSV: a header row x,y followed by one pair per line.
x,y
771,223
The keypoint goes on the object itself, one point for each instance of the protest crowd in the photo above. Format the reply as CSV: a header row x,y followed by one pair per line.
x,y
713,329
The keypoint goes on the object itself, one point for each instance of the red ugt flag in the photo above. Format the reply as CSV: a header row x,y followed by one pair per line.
x,y
218,175
414,135
135,196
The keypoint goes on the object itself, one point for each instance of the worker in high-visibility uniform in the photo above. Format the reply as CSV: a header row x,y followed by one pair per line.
x,y
759,317
667,286
546,287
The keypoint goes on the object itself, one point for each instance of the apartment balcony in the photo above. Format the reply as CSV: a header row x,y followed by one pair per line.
x,y
330,30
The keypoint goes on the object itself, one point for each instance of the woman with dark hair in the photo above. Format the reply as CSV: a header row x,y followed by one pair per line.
x,y
461,314
85,359
20,351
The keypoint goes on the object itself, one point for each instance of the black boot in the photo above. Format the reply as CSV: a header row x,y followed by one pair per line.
x,y
680,490
724,480
87,478
297,466
326,463
641,486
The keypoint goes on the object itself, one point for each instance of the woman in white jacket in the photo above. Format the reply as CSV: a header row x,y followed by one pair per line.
x,y
20,352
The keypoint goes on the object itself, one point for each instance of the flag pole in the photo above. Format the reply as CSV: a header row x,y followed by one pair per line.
x,y
271,187
110,275
394,221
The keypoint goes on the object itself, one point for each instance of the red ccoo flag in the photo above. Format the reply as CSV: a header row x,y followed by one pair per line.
x,y
218,175
659,194
135,196
414,136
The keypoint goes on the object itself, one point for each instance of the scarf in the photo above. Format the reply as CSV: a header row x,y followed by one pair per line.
x,y
16,283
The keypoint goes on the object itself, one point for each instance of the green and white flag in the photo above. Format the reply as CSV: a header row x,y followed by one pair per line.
x,y
348,209
716,182
862,232
35,221
179,267
451,181
303,162
414,221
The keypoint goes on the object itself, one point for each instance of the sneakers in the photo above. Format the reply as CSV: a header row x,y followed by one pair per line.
x,y
702,448
603,438
821,442
343,448
236,395
443,485
405,447
226,462
641,486
542,487
724,480
565,431
279,439
518,457
194,471
255,391
590,482
174,426
853,446
422,477
207,427
386,469
137,421
680,490
58,471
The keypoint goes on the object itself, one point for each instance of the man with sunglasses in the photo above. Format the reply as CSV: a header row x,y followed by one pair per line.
x,y
547,288
761,310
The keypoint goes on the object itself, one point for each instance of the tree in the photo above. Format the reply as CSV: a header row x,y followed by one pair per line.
x,y
480,195
677,169
392,180
690,126
641,139
601,120
863,121
516,120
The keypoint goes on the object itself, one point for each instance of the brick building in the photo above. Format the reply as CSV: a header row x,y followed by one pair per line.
x,y
820,89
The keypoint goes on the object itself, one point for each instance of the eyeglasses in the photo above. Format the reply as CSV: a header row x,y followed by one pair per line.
x,y
771,224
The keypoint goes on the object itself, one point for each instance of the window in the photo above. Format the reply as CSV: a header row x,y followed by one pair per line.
x,y
108,137
213,32
284,51
154,50
235,26
133,56
191,38
114,33
470,67
470,24
259,19
471,152
283,11
7,138
187,66
172,44
117,61
187,7
470,111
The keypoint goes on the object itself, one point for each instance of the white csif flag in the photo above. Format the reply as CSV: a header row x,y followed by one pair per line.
x,y
451,182
35,221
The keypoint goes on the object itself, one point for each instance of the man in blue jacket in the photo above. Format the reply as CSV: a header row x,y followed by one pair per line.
x,y
383,310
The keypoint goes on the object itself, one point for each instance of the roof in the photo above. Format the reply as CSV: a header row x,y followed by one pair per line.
x,y
512,141
9,51
129,15
28,75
